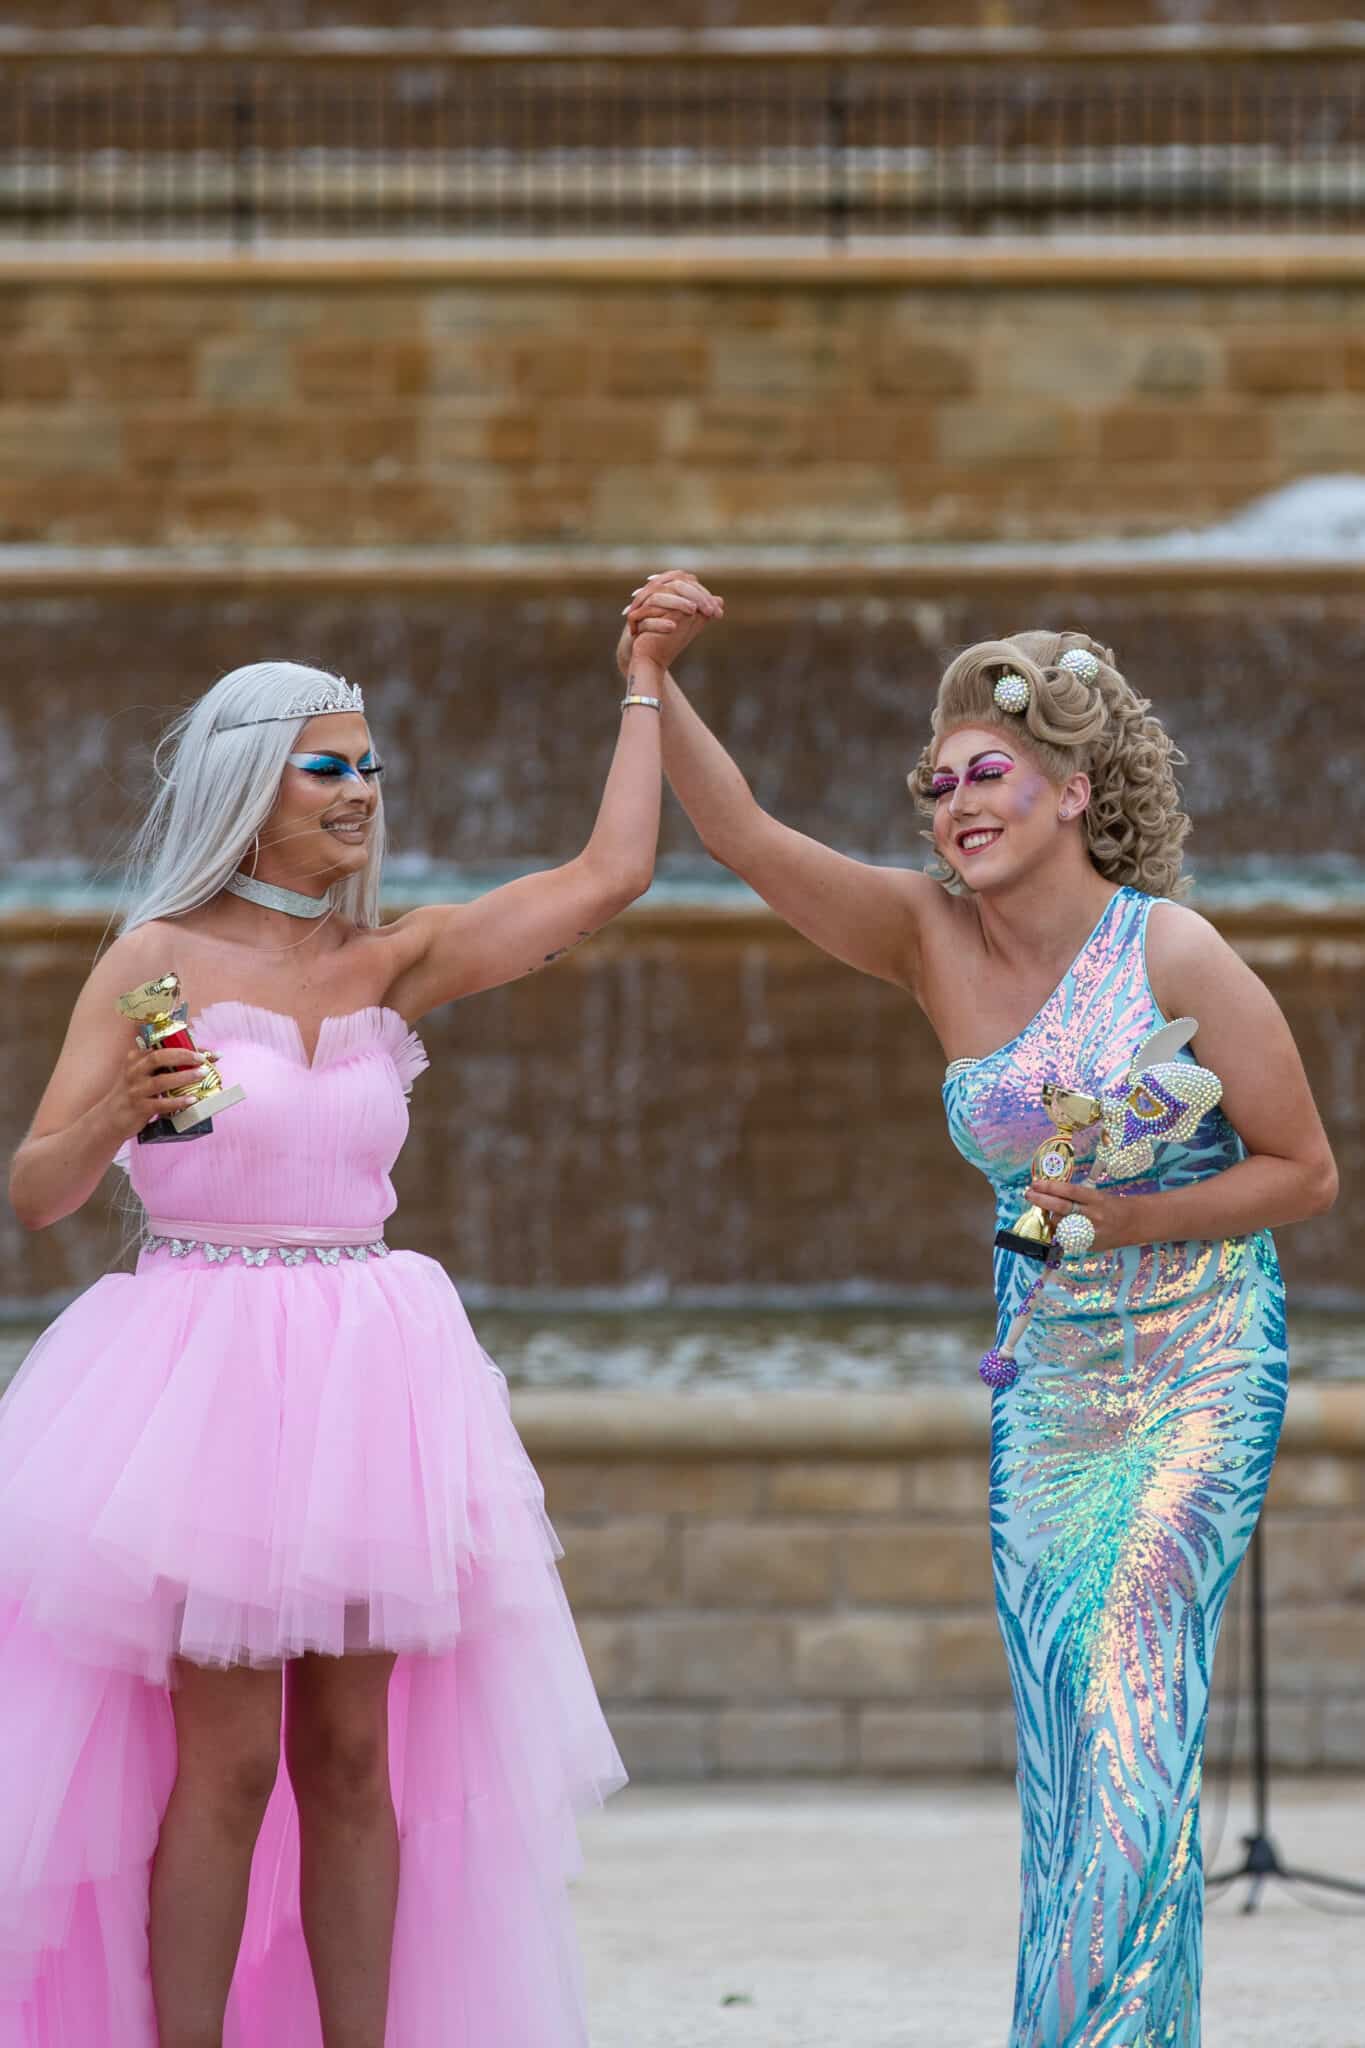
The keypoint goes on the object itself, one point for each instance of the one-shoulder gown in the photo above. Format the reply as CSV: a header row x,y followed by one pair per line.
x,y
1128,1465
236,1455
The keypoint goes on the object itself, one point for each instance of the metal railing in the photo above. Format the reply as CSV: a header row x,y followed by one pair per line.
x,y
837,136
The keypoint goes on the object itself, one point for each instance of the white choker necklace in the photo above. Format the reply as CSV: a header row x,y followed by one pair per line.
x,y
271,897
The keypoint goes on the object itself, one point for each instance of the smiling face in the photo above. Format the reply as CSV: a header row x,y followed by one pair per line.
x,y
321,827
996,814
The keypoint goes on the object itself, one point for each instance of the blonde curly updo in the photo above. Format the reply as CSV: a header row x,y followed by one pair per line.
x,y
1133,823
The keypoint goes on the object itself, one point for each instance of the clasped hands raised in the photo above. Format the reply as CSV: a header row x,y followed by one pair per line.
x,y
664,617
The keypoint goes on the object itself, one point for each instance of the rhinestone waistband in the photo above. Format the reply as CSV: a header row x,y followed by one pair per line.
x,y
257,1247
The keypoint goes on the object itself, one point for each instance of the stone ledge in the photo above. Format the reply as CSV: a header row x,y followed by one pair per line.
x,y
901,261
839,1426
900,572
989,46
1327,933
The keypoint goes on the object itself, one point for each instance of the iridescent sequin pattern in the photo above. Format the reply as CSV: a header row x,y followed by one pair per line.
x,y
1128,1465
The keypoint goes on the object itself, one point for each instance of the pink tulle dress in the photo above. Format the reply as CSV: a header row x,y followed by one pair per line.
x,y
239,1453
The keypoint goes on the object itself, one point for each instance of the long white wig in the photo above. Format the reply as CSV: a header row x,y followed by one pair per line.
x,y
216,790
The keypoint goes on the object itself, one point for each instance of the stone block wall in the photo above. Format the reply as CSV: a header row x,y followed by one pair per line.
x,y
623,404
801,1585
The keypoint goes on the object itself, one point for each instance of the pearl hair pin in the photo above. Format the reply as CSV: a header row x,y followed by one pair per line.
x,y
1078,661
1012,693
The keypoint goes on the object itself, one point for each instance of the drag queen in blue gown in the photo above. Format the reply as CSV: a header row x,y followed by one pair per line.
x,y
1130,1454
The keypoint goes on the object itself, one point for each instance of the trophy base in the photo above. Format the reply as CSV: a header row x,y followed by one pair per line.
x,y
1027,1247
200,1114
164,1132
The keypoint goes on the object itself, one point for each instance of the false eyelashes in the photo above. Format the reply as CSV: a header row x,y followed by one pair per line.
x,y
331,766
983,772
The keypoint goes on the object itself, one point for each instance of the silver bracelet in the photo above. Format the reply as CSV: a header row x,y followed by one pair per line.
x,y
653,703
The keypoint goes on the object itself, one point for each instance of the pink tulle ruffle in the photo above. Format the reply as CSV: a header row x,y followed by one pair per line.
x,y
238,1465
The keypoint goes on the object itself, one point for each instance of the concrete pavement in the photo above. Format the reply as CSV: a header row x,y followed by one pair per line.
x,y
869,1916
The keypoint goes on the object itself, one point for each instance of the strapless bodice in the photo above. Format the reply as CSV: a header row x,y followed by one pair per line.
x,y
312,1146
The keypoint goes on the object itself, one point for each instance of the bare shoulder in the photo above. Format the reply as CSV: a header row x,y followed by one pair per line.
x,y
946,920
944,911
378,957
914,914
130,959
403,940
929,898
947,928
1188,958
97,1037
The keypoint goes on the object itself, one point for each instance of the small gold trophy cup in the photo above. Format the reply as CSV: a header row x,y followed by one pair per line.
x,y
1054,1160
164,1020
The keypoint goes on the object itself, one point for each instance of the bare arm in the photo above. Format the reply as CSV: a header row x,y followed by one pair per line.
x,y
103,1089
1289,1172
457,949
867,916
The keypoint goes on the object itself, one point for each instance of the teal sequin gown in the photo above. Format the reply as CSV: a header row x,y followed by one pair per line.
x,y
1128,1465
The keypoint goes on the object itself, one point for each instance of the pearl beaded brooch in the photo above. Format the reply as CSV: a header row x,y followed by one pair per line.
x,y
998,1369
1074,1235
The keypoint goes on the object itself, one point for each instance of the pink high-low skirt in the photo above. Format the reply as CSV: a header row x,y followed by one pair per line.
x,y
236,1463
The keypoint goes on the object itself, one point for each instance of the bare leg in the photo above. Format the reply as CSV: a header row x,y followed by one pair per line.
x,y
227,1726
336,1745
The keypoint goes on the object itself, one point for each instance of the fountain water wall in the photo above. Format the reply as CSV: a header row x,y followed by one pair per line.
x,y
494,698
699,1102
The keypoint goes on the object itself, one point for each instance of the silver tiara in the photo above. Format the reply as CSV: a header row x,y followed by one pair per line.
x,y
342,696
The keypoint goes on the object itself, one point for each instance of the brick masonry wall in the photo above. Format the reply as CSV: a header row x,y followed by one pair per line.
x,y
396,410
785,1606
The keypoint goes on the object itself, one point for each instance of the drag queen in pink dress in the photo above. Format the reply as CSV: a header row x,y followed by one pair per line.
x,y
261,1501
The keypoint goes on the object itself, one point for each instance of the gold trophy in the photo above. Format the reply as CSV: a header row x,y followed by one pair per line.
x,y
164,1020
1054,1160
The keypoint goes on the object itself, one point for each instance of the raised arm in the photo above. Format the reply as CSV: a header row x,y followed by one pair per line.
x,y
457,949
866,916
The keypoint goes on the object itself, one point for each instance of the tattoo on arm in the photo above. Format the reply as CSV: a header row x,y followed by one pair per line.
x,y
558,953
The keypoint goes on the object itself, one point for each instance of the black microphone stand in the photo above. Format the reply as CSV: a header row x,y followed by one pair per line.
x,y
1262,1858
